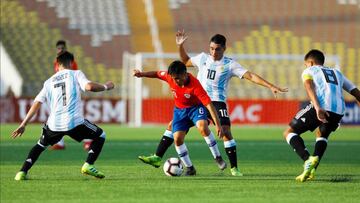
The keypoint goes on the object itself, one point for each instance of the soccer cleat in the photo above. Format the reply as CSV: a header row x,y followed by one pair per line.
x,y
235,172
21,175
190,171
312,174
57,147
220,162
151,160
308,166
91,170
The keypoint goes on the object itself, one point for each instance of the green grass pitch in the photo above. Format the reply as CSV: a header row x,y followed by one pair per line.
x,y
268,163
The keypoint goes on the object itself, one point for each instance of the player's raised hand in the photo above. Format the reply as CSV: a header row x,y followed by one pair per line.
x,y
275,90
137,73
180,37
18,132
321,115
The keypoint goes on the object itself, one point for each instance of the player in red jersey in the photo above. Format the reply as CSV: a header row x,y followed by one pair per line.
x,y
190,102
60,49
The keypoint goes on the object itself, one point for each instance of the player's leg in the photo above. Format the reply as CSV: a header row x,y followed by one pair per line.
x,y
89,130
47,138
164,144
230,149
183,152
203,127
304,120
87,143
322,135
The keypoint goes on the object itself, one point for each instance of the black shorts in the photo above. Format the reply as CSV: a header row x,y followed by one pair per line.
x,y
87,130
306,119
222,112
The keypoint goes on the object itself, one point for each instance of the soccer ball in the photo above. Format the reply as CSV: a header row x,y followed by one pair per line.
x,y
173,167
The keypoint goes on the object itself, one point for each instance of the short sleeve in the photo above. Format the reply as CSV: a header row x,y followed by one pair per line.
x,y
237,70
196,60
82,80
306,75
41,97
348,85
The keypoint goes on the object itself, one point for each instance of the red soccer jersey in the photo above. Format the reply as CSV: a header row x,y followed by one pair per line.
x,y
191,94
73,66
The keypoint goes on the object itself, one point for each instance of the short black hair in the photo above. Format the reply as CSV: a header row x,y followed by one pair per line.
x,y
61,42
316,55
219,39
65,59
177,68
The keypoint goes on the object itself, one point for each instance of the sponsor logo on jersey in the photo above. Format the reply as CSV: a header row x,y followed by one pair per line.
x,y
187,96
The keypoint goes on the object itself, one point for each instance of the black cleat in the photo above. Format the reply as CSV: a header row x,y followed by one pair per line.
x,y
190,171
220,162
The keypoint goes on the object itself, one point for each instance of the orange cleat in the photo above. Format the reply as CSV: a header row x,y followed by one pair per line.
x,y
57,147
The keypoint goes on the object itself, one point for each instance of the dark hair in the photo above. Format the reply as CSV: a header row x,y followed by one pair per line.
x,y
218,39
65,58
177,68
316,55
61,42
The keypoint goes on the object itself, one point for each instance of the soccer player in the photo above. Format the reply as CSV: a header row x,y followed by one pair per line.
x,y
61,48
61,92
324,87
190,99
214,73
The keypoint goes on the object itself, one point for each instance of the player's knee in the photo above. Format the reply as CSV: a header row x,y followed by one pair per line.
x,y
287,132
103,135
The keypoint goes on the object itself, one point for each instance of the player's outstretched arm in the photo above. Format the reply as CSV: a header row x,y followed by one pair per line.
x,y
260,81
97,87
21,129
310,90
180,40
215,116
139,74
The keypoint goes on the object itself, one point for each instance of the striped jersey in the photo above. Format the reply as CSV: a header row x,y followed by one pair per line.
x,y
61,92
214,76
329,83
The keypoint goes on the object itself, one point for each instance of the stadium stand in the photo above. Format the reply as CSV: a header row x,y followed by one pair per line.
x,y
99,32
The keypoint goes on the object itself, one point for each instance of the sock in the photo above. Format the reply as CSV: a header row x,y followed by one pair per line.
x,y
32,157
95,148
230,148
210,140
184,155
165,142
298,145
320,147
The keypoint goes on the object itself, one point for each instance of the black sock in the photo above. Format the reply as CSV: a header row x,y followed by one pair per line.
x,y
299,146
320,147
95,149
32,157
231,153
164,144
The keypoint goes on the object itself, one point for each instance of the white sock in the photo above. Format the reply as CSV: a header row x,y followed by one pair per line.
x,y
229,143
210,140
184,155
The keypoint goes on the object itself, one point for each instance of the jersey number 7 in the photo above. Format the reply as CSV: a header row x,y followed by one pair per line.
x,y
62,85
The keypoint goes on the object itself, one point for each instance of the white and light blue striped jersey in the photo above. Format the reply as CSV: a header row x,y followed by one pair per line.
x,y
214,76
329,83
61,92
